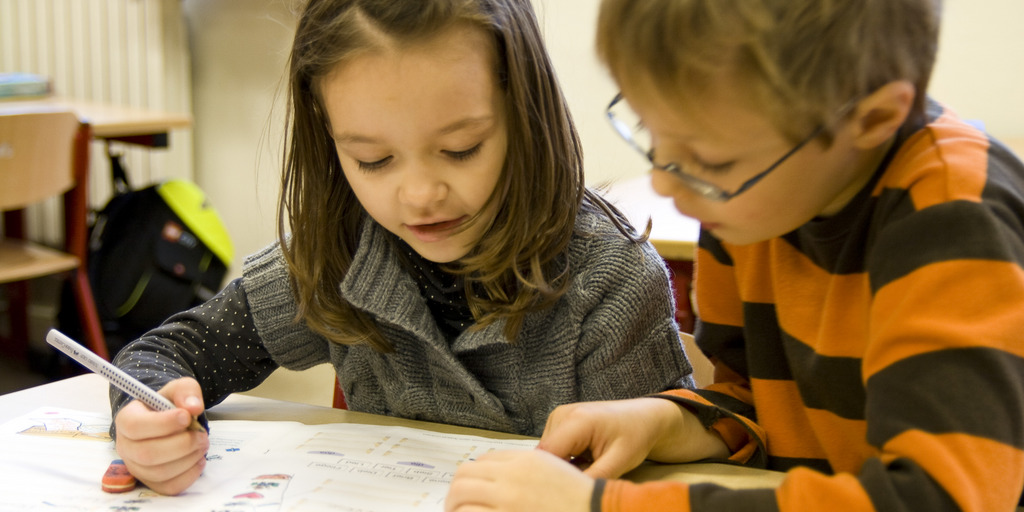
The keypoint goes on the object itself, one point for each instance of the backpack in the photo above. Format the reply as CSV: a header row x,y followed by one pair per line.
x,y
153,252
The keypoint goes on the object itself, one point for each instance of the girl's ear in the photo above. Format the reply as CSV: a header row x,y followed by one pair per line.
x,y
878,116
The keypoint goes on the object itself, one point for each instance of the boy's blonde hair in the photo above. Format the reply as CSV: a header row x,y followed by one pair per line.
x,y
521,263
801,60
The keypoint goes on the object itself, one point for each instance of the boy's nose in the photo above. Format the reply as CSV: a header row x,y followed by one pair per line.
x,y
664,184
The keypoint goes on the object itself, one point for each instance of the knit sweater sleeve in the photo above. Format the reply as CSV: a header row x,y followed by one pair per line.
x,y
274,312
628,329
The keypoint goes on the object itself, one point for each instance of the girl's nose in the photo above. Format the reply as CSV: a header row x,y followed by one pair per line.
x,y
421,188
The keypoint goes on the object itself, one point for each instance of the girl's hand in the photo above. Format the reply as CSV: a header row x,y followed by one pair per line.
x,y
157,447
616,436
531,480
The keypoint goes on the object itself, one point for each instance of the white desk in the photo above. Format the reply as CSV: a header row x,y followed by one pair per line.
x,y
89,393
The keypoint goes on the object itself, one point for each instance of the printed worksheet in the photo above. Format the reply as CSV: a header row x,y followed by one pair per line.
x,y
53,459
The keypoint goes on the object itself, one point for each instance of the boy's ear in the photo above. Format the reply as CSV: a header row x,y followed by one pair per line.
x,y
878,116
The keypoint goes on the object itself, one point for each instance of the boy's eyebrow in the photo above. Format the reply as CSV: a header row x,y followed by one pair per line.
x,y
355,138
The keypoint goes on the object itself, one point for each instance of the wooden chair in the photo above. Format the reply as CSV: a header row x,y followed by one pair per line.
x,y
339,396
703,370
45,154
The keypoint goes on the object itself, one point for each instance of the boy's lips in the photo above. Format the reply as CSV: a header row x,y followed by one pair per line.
x,y
435,231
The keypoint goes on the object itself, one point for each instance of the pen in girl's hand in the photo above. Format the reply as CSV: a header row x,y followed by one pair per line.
x,y
113,374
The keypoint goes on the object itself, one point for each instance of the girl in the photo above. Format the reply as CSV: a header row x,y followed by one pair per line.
x,y
444,255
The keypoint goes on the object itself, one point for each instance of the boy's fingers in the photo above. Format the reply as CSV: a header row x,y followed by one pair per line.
x,y
611,464
566,439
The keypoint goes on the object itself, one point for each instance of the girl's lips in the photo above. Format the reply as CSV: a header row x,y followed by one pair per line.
x,y
436,231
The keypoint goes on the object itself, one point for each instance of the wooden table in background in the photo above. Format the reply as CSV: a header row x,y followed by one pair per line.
x,y
133,125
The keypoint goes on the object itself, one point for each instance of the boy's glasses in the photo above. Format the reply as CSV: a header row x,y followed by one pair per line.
x,y
632,130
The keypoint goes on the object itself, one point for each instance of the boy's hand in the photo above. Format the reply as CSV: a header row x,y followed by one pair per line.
x,y
531,480
616,435
157,447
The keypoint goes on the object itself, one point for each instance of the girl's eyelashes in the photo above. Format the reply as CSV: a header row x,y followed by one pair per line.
x,y
373,166
383,162
464,155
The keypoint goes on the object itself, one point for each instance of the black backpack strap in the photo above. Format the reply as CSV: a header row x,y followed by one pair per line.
x,y
118,177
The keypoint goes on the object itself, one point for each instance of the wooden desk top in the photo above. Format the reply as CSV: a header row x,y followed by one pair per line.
x,y
672,234
89,393
108,121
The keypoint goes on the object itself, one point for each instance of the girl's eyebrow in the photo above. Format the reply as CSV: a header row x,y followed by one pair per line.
x,y
352,138
466,123
469,122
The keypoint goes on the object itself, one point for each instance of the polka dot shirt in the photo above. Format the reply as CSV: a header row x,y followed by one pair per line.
x,y
444,292
218,339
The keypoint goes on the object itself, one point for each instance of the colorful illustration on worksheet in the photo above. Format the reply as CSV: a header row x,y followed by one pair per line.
x,y
54,424
263,493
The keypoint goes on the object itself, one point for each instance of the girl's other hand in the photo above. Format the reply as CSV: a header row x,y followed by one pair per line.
x,y
157,447
532,480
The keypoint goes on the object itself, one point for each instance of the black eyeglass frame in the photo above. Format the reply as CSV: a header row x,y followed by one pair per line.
x,y
700,187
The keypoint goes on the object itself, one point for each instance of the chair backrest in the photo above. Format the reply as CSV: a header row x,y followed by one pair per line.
x,y
36,151
703,369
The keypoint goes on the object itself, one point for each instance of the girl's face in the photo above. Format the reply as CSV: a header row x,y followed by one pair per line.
x,y
725,142
421,135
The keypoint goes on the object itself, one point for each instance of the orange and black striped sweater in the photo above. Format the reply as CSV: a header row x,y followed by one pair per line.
x,y
877,356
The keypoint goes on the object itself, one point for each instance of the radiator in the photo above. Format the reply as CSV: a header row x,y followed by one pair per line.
x,y
126,52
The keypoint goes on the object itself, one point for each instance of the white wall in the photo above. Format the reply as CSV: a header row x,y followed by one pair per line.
x,y
239,48
980,68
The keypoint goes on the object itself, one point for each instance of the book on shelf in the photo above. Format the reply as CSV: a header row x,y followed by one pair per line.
x,y
22,85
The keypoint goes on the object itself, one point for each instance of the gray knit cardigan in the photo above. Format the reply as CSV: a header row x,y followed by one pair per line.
x,y
612,335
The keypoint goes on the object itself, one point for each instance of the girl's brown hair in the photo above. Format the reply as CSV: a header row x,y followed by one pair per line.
x,y
801,60
520,264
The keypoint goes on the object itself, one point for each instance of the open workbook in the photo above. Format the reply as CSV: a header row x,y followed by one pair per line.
x,y
53,459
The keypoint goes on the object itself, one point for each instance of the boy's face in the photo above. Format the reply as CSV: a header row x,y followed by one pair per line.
x,y
421,135
725,141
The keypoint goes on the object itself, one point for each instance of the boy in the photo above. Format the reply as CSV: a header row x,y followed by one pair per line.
x,y
859,280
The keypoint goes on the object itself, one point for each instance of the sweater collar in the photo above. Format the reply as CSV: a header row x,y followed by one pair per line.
x,y
377,283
